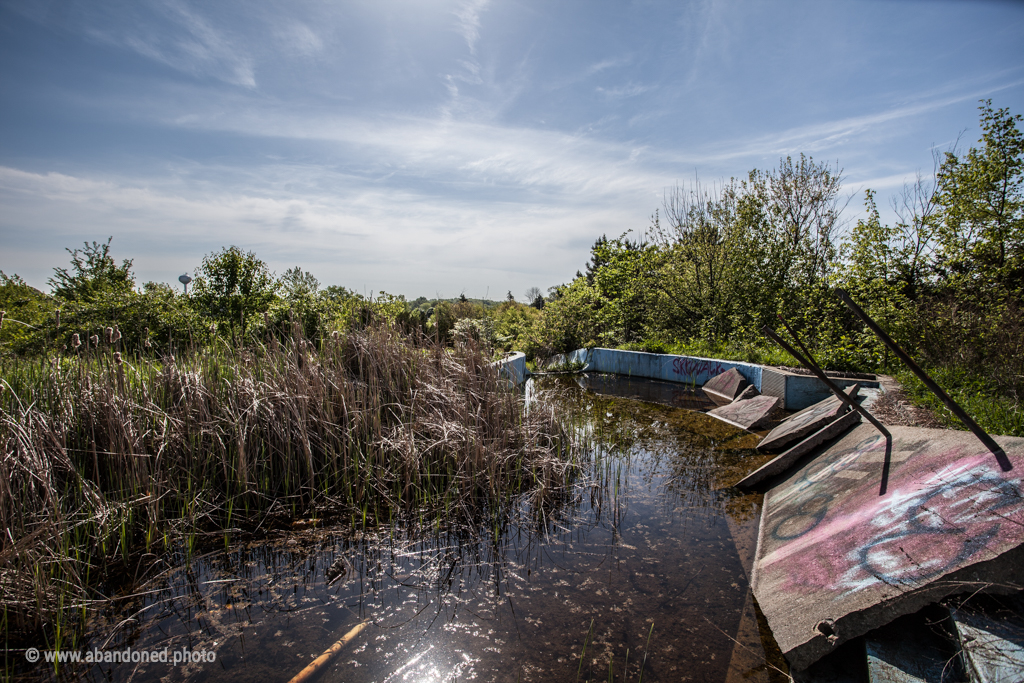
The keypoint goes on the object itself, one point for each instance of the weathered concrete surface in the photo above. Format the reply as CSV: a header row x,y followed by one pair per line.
x,y
994,649
724,388
749,392
808,420
747,414
799,391
795,391
913,649
784,461
836,560
513,366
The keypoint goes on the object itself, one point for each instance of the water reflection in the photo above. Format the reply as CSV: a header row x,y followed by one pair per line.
x,y
652,537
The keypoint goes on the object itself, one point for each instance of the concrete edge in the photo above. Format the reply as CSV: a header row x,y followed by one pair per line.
x,y
784,461
513,366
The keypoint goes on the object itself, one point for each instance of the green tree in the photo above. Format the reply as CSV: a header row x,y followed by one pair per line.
x,y
982,207
232,286
93,275
297,283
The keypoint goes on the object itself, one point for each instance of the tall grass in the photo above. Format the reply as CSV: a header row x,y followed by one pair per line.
x,y
110,463
994,411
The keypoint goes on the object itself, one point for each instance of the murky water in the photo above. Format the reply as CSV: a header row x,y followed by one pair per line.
x,y
642,569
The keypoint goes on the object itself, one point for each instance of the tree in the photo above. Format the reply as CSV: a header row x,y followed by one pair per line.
x,y
532,294
232,286
982,207
296,283
94,274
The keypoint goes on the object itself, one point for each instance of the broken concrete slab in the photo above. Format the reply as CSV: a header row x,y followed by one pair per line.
x,y
994,649
807,421
724,388
914,649
783,462
750,392
835,559
747,414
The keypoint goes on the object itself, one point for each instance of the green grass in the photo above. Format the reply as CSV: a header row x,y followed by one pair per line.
x,y
764,354
995,413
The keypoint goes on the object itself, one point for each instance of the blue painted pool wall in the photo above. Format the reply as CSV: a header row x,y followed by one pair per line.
x,y
513,367
666,367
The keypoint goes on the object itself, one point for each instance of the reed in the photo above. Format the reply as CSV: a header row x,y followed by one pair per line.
x,y
114,464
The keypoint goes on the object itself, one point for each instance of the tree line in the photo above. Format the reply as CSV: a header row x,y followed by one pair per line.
x,y
715,264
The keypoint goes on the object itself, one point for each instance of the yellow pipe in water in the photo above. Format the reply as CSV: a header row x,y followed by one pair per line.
x,y
320,662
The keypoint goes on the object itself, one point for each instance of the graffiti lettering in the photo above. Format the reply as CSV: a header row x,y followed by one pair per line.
x,y
692,368
943,528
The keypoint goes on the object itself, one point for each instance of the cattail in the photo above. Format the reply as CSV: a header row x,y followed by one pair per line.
x,y
116,335
95,339
75,341
213,328
2,314
117,357
108,334
148,345
266,318
58,318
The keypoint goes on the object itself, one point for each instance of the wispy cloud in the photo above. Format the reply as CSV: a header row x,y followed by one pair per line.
x,y
301,39
355,235
624,91
468,15
166,31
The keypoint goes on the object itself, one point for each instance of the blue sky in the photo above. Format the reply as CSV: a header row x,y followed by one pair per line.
x,y
432,147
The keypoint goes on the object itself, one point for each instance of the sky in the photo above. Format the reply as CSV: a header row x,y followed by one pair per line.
x,y
446,147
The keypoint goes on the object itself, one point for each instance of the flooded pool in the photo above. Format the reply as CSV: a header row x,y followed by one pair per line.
x,y
642,570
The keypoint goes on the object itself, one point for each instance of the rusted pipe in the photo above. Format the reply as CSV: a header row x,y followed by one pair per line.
x,y
820,374
954,407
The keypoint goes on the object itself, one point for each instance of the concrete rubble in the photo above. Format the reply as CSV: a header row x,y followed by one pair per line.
x,y
786,460
725,387
836,559
748,413
807,421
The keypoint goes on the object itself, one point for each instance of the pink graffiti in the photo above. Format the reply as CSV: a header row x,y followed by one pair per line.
x,y
937,518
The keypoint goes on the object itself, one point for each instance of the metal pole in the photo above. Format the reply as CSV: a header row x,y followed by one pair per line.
x,y
813,367
990,443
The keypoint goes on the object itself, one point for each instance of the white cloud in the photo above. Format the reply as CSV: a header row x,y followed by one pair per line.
x,y
468,15
300,38
357,234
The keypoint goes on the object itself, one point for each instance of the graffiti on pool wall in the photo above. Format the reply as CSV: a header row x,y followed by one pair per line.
x,y
841,536
691,368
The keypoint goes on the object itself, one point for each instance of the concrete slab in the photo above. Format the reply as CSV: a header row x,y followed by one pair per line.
x,y
836,560
783,462
747,414
913,649
750,392
724,388
807,421
994,649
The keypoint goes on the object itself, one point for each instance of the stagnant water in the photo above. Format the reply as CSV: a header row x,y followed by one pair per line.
x,y
644,568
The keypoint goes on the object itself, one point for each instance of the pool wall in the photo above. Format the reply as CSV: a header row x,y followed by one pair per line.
x,y
796,391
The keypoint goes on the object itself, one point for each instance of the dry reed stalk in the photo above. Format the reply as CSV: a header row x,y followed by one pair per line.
x,y
104,461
